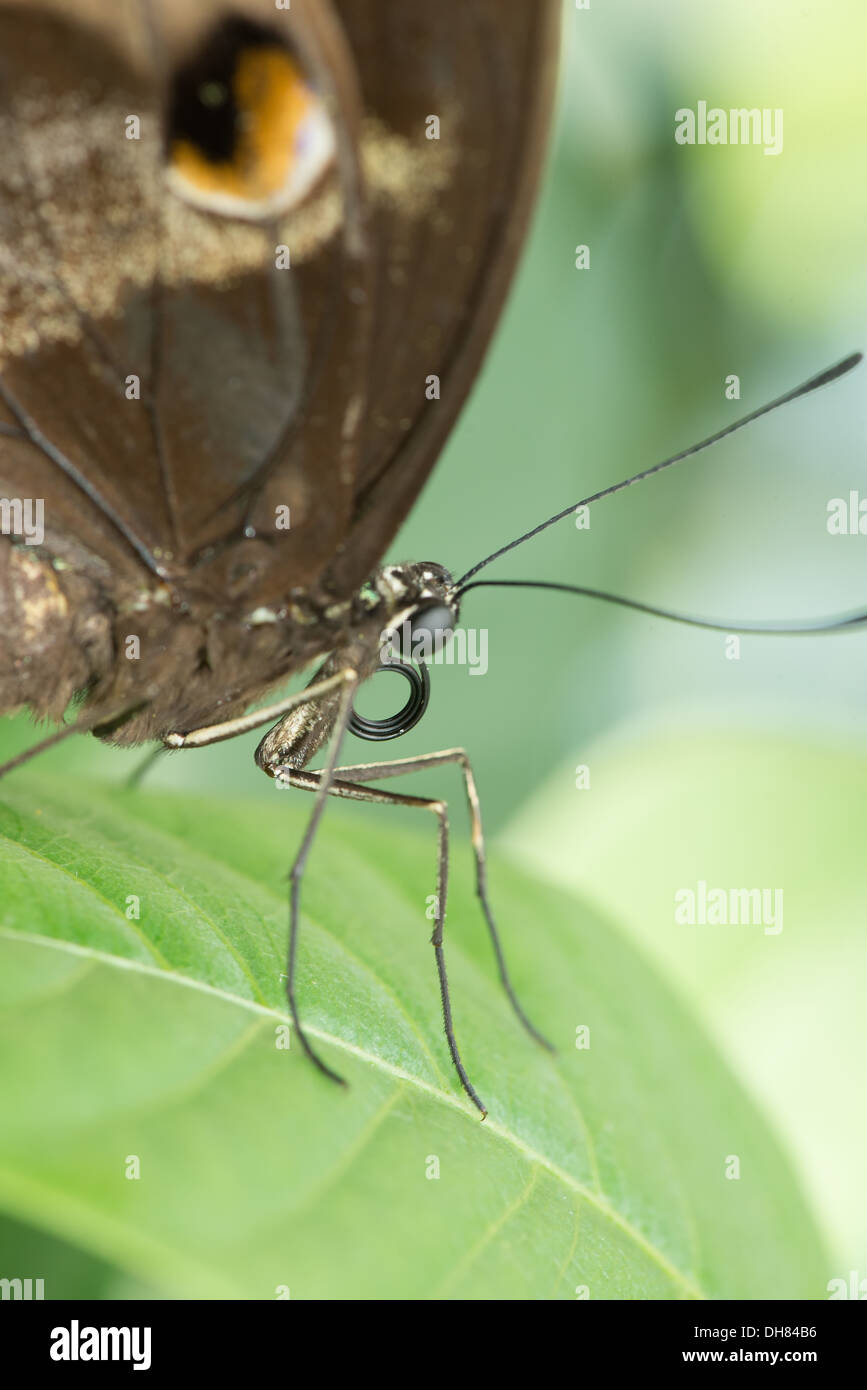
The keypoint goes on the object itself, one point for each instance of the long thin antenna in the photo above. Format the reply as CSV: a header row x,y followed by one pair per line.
x,y
837,624
823,379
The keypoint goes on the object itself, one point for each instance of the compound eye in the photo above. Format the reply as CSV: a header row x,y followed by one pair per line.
x,y
431,629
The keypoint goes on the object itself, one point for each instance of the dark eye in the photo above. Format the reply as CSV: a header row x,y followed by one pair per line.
x,y
431,628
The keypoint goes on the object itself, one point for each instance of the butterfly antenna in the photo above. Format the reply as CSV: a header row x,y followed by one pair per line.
x,y
823,379
835,624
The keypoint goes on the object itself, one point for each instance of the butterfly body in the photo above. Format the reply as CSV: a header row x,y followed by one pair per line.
x,y
184,658
251,257
230,260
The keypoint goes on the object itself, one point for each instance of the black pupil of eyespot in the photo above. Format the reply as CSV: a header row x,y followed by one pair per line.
x,y
202,106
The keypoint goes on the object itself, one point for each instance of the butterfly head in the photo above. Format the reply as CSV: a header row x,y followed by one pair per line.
x,y
419,611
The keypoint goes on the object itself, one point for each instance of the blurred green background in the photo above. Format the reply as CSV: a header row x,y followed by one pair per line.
x,y
704,261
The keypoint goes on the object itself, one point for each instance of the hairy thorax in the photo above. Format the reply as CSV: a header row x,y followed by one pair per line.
x,y
153,660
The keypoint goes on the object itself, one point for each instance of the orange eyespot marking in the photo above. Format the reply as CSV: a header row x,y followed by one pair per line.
x,y
281,140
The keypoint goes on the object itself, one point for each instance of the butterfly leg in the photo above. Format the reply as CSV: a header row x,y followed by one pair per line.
x,y
231,728
339,786
138,774
85,724
195,738
371,772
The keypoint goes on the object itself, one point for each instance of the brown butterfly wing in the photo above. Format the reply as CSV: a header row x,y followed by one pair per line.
x,y
154,361
164,385
487,70
447,220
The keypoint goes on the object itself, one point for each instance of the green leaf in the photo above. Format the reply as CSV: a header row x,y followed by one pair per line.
x,y
682,802
156,1038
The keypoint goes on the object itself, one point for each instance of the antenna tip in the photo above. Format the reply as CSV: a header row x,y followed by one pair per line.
x,y
848,363
828,375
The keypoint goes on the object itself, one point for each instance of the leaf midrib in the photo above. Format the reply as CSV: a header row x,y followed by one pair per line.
x,y
501,1131
195,907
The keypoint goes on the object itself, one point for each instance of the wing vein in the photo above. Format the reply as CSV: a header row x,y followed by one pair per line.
x,y
36,437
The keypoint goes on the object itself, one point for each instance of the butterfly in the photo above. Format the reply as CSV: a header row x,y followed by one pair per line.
x,y
250,261
251,256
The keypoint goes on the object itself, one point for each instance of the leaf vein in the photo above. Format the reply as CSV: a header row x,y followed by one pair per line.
x,y
444,1097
